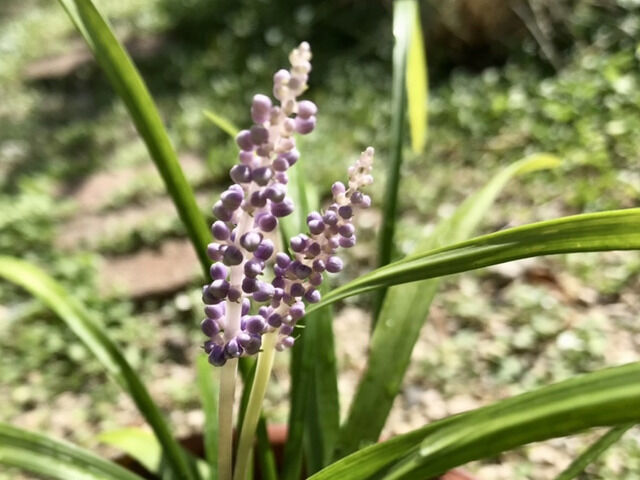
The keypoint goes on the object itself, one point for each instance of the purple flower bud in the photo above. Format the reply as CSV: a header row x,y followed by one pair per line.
x,y
312,295
347,242
267,222
250,343
258,199
209,327
283,208
292,156
345,211
280,164
260,108
319,265
296,290
220,230
254,324
313,250
334,264
243,139
275,320
298,243
338,188
264,250
305,125
261,175
330,217
245,157
356,197
249,285
286,329
315,279
300,270
233,348
346,230
316,227
306,109
281,76
217,356
366,201
281,177
287,342
208,346
240,174
218,271
264,311
246,305
222,213
259,134
251,240
282,260
232,198
213,251
232,256
265,292
253,267
278,282
219,288
213,311
275,192
333,243
234,294
297,311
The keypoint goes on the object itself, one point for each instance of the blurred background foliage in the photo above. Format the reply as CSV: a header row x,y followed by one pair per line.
x,y
507,78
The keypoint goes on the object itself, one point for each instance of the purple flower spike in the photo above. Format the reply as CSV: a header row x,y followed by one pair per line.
x,y
247,214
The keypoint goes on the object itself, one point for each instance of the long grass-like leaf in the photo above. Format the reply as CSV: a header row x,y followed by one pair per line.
x,y
39,284
403,12
55,459
592,232
606,397
208,389
128,84
417,85
222,123
593,452
405,311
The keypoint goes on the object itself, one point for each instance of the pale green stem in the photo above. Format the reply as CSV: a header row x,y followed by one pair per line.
x,y
252,414
225,418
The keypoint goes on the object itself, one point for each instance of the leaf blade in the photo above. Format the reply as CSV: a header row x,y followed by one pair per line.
x,y
55,458
605,397
208,390
404,312
417,84
222,123
39,284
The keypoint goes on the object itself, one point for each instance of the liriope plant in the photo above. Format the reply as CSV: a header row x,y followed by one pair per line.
x,y
261,289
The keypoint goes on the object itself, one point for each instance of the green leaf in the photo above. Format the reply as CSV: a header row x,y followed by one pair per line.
x,y
222,123
405,311
128,84
592,232
417,84
606,397
39,284
208,389
593,452
55,459
137,443
403,13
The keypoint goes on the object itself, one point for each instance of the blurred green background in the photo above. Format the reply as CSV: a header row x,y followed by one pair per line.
x,y
79,196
